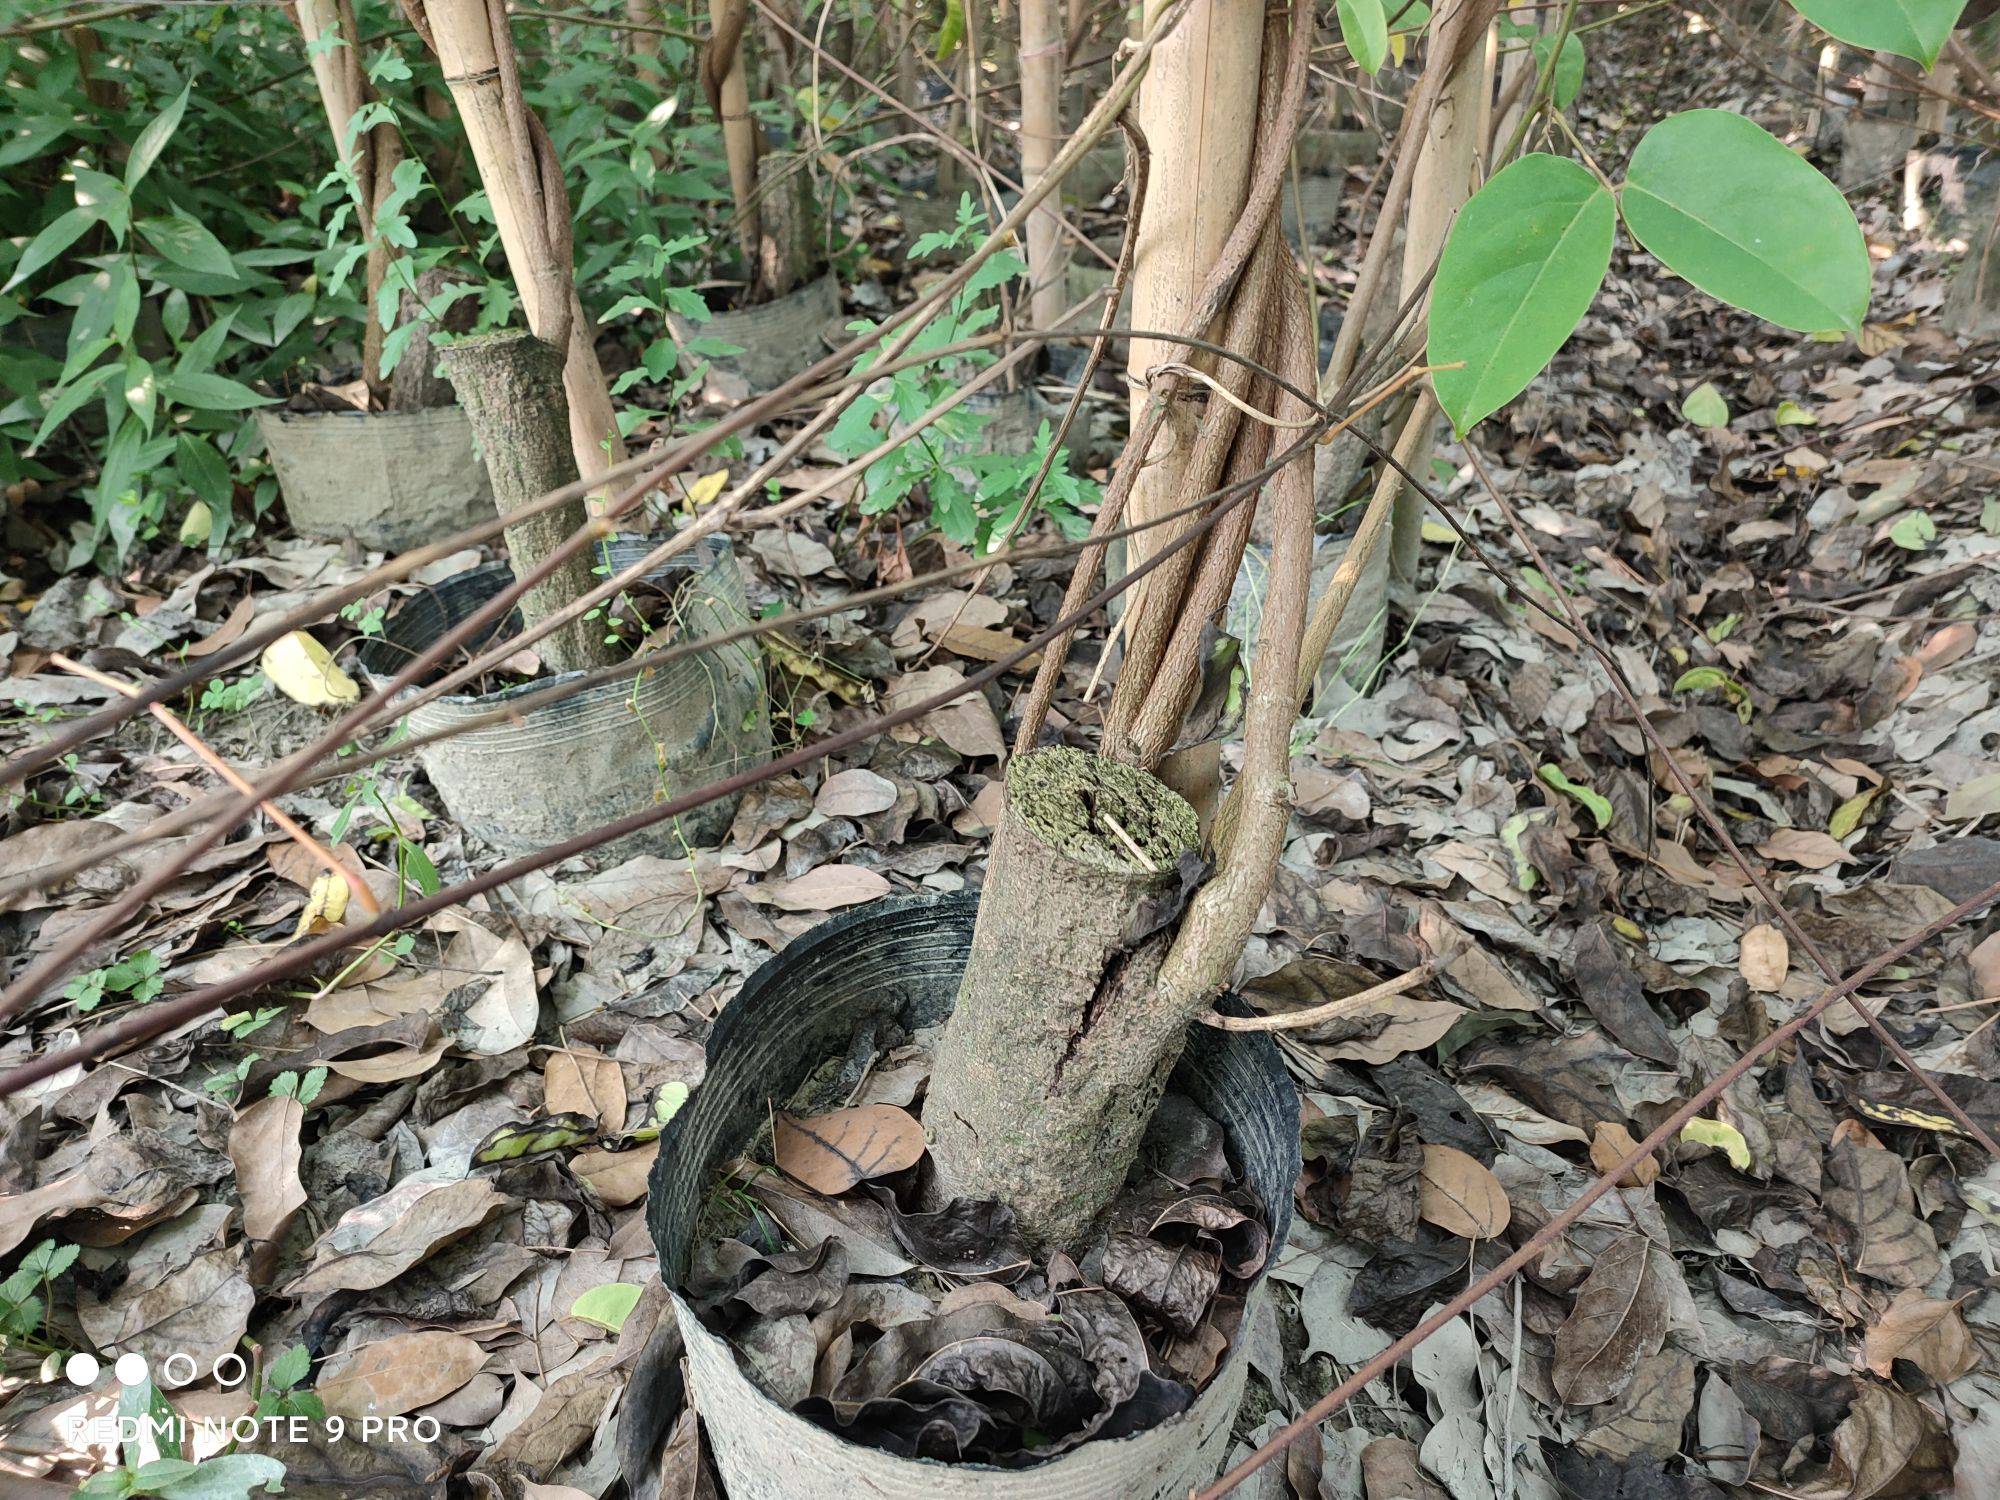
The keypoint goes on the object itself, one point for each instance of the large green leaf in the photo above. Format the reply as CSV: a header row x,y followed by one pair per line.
x,y
153,139
1523,260
1909,28
1723,203
1364,27
186,243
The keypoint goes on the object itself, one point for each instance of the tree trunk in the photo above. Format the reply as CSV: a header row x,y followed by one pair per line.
x,y
1041,137
532,212
371,157
416,384
1052,1045
511,385
1441,184
1079,990
728,84
1198,109
1881,131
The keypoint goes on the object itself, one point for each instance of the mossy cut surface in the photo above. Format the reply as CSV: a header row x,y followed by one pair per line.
x,y
1070,799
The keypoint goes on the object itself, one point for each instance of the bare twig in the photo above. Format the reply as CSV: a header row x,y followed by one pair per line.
x,y
1313,1015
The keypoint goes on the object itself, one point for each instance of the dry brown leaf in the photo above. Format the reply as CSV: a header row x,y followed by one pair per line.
x,y
585,1083
1649,1417
388,1067
264,1148
854,794
1928,1333
617,1177
398,1374
1460,1196
1610,1145
375,1243
1390,1470
1764,958
495,1006
1806,847
821,889
1868,1190
966,724
21,1212
202,1310
562,1420
830,1153
1620,1319
989,645
1399,1024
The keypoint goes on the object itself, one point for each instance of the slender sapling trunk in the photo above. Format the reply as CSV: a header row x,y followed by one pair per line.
x,y
1041,137
524,186
511,385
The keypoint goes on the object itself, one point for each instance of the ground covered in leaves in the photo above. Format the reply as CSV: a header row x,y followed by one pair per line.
x,y
1793,1301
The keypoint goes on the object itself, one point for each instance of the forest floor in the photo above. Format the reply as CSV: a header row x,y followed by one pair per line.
x,y
1802,603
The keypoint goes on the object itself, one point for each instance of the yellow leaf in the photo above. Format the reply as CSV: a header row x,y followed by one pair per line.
x,y
196,524
303,670
1791,414
704,490
1896,1114
1847,817
1723,1136
1437,531
326,904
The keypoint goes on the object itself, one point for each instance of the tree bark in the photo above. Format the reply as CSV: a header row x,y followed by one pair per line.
x,y
1041,137
416,383
1048,1070
511,385
1438,189
531,209
1198,109
371,157
1881,131
727,81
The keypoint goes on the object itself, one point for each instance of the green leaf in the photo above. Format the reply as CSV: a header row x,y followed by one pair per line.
x,y
185,243
1914,530
607,1306
1599,805
1704,407
203,470
1915,29
141,389
228,1476
211,392
288,1369
153,139
57,236
1725,205
1521,264
1568,80
1364,27
68,399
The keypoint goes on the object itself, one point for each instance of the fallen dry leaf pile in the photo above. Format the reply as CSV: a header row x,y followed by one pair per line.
x,y
936,1333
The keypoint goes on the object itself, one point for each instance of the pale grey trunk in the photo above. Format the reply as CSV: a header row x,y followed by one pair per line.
x,y
1056,1054
511,386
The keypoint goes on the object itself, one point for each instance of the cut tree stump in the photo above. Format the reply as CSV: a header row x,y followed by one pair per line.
x,y
1056,1054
